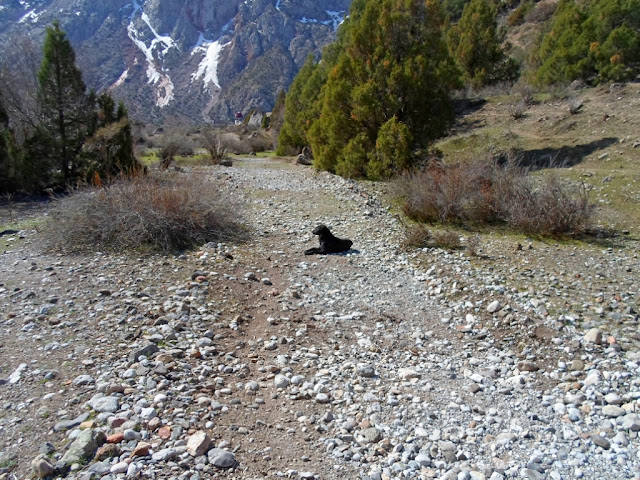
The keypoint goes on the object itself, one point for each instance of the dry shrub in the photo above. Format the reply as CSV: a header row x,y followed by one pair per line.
x,y
418,236
446,239
526,93
260,143
473,245
550,208
486,193
164,213
212,143
232,142
516,110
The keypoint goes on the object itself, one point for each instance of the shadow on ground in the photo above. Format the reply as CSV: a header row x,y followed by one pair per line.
x,y
566,156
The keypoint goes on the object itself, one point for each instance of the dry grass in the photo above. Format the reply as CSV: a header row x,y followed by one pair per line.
x,y
165,213
481,192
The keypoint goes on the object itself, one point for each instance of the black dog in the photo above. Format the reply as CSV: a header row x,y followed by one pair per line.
x,y
328,243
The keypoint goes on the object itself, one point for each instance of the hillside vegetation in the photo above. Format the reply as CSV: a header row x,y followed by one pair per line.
x,y
380,103
381,93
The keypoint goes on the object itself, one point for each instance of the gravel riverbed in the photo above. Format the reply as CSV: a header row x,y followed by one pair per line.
x,y
253,361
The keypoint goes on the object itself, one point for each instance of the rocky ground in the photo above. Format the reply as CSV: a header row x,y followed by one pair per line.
x,y
254,361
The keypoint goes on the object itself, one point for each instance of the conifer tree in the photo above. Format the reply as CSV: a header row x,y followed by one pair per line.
x,y
475,44
300,108
108,153
65,106
593,41
390,62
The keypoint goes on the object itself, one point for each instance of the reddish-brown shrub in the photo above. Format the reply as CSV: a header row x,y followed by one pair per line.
x,y
486,193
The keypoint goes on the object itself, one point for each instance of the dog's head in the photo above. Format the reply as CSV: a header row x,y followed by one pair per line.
x,y
321,230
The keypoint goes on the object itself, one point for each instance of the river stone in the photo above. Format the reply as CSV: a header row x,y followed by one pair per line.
x,y
613,411
84,446
164,454
81,380
198,444
408,373
601,441
593,336
366,371
67,424
105,404
494,306
368,435
146,351
42,467
281,381
221,458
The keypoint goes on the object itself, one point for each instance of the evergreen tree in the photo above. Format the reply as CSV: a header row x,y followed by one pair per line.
x,y
390,61
475,44
593,41
66,108
300,108
108,153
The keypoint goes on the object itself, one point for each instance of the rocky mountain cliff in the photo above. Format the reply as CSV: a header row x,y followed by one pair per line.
x,y
202,60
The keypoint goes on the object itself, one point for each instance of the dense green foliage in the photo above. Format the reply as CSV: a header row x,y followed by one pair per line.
x,y
300,107
595,41
453,8
75,138
386,77
65,107
477,47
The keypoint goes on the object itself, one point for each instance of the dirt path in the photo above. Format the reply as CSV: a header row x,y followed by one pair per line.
x,y
378,363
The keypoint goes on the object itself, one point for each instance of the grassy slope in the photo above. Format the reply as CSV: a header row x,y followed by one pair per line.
x,y
601,143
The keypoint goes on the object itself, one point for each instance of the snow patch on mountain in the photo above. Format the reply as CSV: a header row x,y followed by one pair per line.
x,y
164,85
336,18
121,80
31,15
166,40
208,67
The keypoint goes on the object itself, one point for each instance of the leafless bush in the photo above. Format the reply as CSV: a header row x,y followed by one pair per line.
x,y
526,93
550,208
473,245
516,110
212,143
19,65
260,143
418,236
235,143
575,104
486,193
164,213
446,239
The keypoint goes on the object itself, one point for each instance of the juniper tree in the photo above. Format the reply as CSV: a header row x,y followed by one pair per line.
x,y
476,45
390,73
66,108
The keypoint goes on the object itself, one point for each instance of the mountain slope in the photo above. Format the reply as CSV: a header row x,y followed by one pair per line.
x,y
198,59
